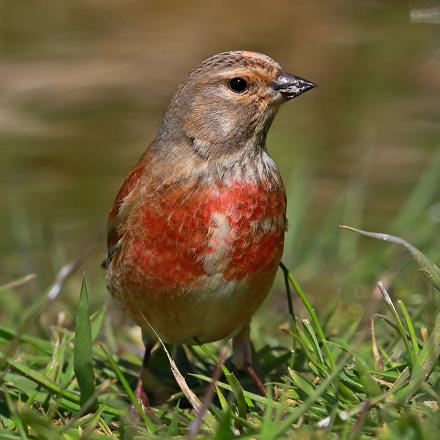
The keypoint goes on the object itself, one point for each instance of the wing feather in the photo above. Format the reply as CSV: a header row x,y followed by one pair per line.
x,y
122,205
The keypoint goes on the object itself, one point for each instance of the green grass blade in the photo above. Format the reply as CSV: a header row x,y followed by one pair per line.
x,y
428,268
40,379
16,417
224,427
82,354
248,395
96,322
173,427
40,426
425,363
40,344
303,384
312,314
398,322
317,393
369,385
221,398
147,421
314,340
410,327
237,390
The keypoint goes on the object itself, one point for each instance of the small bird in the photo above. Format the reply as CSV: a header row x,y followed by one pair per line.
x,y
196,232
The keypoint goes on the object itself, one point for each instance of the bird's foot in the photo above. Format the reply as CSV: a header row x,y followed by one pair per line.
x,y
141,397
256,379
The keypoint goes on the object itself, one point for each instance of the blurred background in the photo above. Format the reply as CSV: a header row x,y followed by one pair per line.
x,y
84,86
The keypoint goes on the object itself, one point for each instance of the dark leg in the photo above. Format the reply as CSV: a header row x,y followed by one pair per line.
x,y
242,357
140,391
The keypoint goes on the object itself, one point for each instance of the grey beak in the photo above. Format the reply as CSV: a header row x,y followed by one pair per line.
x,y
291,85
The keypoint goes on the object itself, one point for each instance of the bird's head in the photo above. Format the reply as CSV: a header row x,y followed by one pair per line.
x,y
228,102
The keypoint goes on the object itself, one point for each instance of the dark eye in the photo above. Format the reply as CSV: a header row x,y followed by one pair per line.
x,y
237,85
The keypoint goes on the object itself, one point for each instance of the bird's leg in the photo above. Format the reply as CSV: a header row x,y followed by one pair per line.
x,y
242,356
139,392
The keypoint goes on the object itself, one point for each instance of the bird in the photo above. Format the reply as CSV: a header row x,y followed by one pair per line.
x,y
196,232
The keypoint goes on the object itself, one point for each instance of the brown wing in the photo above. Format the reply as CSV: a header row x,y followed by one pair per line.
x,y
121,207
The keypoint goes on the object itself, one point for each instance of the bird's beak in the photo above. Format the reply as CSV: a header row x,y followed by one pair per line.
x,y
291,85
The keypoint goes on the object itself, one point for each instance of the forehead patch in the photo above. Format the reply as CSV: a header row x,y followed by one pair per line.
x,y
240,58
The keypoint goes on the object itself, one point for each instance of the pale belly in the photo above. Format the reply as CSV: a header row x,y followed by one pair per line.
x,y
212,309
195,269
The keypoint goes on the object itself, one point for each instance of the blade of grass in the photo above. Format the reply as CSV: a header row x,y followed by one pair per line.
x,y
248,395
237,390
312,314
314,340
82,353
270,419
149,424
398,385
92,423
192,398
173,429
317,393
374,345
356,428
18,282
8,334
426,266
410,327
302,383
370,386
293,323
15,416
221,398
425,363
398,322
209,394
97,320
39,378
236,387
224,427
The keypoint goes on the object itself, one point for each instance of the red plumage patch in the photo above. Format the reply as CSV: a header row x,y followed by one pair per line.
x,y
174,236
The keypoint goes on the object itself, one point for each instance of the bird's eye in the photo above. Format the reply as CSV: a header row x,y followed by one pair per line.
x,y
238,85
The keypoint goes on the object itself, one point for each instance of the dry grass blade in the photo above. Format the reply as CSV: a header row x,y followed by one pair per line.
x,y
430,270
360,420
375,348
192,398
195,426
18,282
66,271
425,15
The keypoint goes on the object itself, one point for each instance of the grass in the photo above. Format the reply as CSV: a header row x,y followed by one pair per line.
x,y
330,372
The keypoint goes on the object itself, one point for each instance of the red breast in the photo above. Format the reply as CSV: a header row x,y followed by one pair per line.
x,y
184,233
